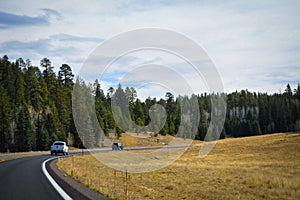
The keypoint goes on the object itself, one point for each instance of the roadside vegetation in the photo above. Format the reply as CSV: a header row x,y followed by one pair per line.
x,y
12,156
258,167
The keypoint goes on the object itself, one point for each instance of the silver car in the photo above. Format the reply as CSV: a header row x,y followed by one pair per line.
x,y
117,146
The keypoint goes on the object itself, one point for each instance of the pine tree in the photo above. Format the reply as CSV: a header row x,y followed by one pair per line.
x,y
120,109
33,92
20,90
297,92
65,75
42,135
50,78
46,63
288,90
24,137
5,117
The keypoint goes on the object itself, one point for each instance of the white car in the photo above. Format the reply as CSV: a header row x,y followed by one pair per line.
x,y
59,147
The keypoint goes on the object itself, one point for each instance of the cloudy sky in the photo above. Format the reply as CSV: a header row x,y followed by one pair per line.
x,y
254,45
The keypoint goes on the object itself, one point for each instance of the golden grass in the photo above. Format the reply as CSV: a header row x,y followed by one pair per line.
x,y
261,167
11,156
136,140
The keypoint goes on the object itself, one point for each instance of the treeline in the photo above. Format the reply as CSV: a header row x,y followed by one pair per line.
x,y
35,105
259,113
36,109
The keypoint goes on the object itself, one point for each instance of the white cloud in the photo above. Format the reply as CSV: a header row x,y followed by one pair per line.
x,y
255,45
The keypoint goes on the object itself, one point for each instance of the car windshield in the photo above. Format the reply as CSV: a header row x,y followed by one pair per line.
x,y
58,143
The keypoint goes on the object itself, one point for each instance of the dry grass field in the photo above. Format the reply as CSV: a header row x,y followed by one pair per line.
x,y
134,140
11,156
260,167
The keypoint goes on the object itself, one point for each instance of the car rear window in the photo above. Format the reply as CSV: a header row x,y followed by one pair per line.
x,y
58,143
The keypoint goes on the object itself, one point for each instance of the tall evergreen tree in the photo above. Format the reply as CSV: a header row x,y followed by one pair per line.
x,y
5,117
42,135
24,136
297,92
65,75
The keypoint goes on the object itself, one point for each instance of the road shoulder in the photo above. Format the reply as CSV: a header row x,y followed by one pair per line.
x,y
74,189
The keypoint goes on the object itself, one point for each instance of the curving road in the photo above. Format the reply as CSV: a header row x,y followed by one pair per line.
x,y
23,178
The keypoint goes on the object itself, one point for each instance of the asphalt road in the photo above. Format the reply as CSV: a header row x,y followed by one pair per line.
x,y
23,178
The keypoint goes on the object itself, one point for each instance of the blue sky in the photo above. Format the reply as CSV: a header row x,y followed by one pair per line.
x,y
254,45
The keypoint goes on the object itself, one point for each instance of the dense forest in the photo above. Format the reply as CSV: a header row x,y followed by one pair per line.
x,y
36,109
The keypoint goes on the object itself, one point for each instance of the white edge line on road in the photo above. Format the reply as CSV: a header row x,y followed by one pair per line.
x,y
61,192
